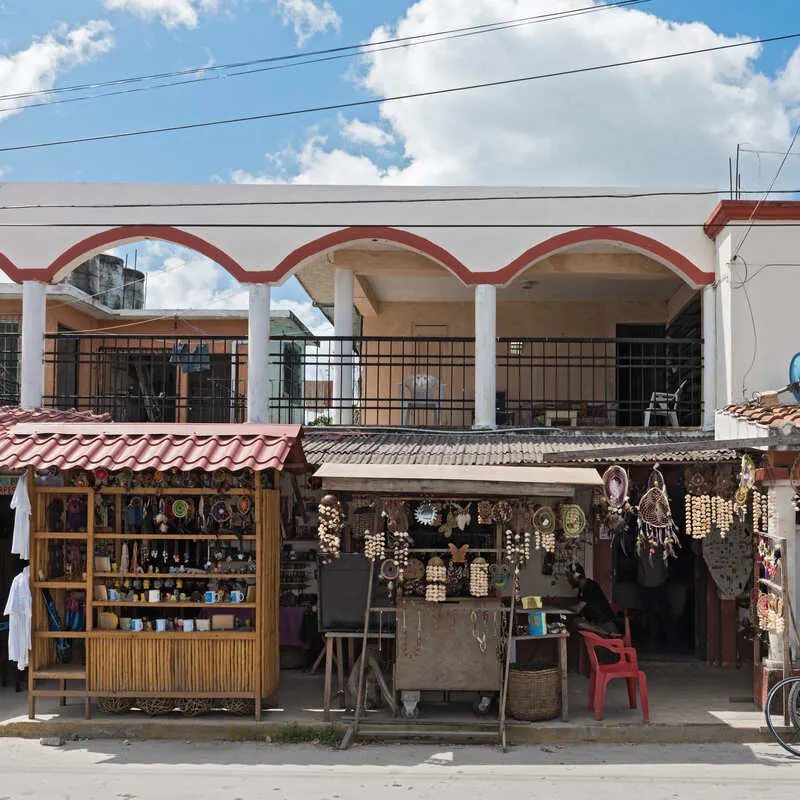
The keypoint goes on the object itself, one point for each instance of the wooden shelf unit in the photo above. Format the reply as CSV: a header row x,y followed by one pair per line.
x,y
240,663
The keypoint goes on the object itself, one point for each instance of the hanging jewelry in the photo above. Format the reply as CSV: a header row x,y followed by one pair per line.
x,y
480,638
331,520
374,546
479,577
435,575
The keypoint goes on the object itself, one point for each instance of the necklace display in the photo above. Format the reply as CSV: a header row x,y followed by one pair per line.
x,y
480,637
404,635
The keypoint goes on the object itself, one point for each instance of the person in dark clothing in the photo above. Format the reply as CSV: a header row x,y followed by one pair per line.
x,y
592,604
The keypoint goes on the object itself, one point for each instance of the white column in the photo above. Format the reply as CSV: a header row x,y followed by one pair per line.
x,y
709,356
343,389
258,358
783,525
485,356
34,294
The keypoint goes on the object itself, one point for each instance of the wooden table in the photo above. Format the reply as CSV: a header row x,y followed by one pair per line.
x,y
335,638
562,664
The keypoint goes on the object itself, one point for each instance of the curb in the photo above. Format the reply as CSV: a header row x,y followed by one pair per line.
x,y
243,731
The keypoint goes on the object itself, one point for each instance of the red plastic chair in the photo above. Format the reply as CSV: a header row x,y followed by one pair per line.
x,y
626,640
626,667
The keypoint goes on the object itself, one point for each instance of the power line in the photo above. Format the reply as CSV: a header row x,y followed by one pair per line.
x,y
399,200
344,51
408,96
417,225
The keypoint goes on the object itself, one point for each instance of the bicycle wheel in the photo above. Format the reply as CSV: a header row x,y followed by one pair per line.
x,y
788,737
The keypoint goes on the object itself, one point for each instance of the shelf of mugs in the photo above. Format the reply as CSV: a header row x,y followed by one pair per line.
x,y
177,575
171,603
225,537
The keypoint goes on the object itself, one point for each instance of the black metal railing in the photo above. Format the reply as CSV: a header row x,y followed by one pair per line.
x,y
379,381
9,363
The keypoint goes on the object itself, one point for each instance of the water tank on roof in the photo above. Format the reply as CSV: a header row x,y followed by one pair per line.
x,y
110,282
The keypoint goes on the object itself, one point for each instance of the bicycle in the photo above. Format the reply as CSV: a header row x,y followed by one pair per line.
x,y
789,736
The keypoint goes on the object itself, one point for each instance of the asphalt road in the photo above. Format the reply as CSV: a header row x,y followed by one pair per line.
x,y
177,770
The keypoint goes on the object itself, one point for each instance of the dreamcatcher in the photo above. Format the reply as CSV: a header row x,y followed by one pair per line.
x,y
615,491
657,530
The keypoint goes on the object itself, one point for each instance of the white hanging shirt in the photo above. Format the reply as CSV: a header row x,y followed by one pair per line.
x,y
20,502
19,613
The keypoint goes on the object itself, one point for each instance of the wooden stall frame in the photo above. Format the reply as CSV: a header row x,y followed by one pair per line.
x,y
106,649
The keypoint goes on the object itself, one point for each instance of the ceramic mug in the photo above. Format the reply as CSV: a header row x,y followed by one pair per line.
x,y
137,625
210,597
124,623
154,595
237,596
113,594
161,625
188,625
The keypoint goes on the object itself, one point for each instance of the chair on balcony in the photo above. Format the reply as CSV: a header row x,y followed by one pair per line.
x,y
665,404
422,391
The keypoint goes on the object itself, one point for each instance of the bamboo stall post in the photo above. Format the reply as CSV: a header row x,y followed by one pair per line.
x,y
506,671
260,616
787,631
352,731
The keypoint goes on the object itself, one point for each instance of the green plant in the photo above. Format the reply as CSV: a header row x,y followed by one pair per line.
x,y
322,419
292,733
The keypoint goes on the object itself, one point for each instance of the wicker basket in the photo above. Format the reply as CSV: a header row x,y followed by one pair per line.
x,y
534,693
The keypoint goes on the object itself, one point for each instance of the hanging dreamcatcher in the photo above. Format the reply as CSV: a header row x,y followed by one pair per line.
x,y
658,533
573,520
747,479
544,529
615,491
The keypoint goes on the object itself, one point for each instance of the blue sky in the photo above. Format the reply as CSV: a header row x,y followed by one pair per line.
x,y
407,144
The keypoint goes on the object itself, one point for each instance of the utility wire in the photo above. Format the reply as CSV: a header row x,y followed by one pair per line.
x,y
400,200
346,51
758,204
386,99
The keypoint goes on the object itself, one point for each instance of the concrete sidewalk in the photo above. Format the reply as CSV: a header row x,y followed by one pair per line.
x,y
689,702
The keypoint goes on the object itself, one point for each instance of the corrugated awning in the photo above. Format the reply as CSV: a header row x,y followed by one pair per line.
x,y
457,479
140,447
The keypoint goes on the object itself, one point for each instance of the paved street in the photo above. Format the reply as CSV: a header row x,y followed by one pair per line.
x,y
145,770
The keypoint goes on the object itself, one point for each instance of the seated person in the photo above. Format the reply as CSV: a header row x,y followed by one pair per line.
x,y
592,604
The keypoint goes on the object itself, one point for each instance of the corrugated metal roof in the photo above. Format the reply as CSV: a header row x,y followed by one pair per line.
x,y
519,448
141,447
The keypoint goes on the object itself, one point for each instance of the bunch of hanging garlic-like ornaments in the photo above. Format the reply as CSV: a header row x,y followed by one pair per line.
x,y
331,519
479,577
518,548
374,546
698,516
435,575
400,546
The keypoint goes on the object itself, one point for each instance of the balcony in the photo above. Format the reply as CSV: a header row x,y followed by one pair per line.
x,y
376,381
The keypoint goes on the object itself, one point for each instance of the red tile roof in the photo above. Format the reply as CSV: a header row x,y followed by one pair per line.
x,y
13,415
140,447
772,416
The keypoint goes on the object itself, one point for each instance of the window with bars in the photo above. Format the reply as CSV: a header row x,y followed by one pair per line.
x,y
9,362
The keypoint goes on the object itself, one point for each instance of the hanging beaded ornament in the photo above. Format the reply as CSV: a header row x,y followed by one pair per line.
x,y
400,547
435,575
414,579
479,577
657,529
331,519
374,546
544,525
794,477
502,511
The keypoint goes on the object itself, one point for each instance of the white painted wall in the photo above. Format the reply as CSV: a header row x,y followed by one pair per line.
x,y
480,247
759,303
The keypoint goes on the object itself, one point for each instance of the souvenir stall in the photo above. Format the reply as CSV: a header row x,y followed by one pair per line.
x,y
446,553
155,553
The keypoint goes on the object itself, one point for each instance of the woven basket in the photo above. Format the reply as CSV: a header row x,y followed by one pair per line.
x,y
534,693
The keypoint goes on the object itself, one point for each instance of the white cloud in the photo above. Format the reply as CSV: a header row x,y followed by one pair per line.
x,y
308,17
178,278
359,132
673,122
171,13
39,65
313,164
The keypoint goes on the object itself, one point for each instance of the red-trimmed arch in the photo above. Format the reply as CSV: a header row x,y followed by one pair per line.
x,y
652,247
563,241
666,255
131,233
